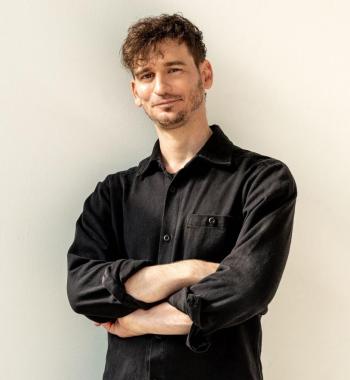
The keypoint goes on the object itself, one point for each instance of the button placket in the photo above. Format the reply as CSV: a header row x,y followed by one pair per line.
x,y
169,220
166,237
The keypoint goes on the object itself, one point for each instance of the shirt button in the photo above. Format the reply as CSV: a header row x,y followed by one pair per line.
x,y
211,220
159,337
172,189
166,237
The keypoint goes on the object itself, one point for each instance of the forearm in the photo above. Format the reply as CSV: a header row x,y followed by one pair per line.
x,y
157,282
86,292
162,319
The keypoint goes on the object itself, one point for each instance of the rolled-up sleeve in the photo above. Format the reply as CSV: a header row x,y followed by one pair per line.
x,y
97,267
247,278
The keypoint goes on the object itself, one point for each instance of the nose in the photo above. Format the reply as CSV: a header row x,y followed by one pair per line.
x,y
161,85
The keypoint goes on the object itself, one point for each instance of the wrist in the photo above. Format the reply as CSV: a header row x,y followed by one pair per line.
x,y
201,269
167,320
185,273
135,321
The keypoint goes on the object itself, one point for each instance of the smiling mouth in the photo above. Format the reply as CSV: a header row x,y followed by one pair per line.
x,y
166,103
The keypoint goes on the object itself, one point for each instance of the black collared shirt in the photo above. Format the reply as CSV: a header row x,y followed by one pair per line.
x,y
227,205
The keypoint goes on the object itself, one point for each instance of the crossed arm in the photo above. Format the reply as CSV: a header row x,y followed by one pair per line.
x,y
154,283
213,298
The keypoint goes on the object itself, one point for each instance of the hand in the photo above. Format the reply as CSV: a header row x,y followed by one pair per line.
x,y
117,329
127,326
162,319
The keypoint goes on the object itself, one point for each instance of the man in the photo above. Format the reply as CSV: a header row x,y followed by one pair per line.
x,y
177,258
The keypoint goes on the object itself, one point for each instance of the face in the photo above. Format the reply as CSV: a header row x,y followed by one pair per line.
x,y
170,87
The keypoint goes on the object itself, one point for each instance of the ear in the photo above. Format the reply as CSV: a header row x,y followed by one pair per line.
x,y
206,72
137,99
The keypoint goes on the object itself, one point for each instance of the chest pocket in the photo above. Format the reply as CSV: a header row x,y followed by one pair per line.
x,y
209,237
209,220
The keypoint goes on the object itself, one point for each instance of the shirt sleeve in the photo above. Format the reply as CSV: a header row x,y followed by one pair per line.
x,y
97,269
247,278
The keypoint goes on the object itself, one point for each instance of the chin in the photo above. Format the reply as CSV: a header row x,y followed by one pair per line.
x,y
166,121
171,124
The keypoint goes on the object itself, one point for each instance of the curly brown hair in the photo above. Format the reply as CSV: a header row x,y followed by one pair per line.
x,y
144,35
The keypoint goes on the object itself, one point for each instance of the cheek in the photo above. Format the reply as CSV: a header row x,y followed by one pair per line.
x,y
144,93
147,100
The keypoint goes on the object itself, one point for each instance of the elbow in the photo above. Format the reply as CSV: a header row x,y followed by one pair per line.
x,y
73,295
250,309
245,307
74,304
256,302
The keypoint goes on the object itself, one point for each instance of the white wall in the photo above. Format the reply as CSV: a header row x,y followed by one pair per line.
x,y
67,120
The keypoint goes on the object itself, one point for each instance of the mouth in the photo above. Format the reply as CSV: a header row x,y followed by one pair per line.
x,y
166,102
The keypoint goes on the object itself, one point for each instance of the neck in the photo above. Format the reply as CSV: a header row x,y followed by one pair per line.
x,y
179,145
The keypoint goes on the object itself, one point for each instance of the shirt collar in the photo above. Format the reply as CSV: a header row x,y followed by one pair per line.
x,y
217,149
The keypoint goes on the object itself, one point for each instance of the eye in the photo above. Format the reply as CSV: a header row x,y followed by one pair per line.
x,y
174,69
146,76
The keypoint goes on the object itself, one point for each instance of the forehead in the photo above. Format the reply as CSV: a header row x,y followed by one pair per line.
x,y
163,52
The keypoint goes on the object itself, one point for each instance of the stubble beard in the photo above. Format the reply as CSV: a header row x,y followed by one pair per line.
x,y
196,100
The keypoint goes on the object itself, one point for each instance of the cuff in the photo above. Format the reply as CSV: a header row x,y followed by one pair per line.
x,y
197,339
116,274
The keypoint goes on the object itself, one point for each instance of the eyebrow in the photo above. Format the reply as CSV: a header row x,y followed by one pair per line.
x,y
173,63
167,64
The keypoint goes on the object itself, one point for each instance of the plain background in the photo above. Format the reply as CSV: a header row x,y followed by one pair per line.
x,y
67,119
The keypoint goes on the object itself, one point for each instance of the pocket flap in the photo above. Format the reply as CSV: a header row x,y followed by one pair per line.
x,y
209,220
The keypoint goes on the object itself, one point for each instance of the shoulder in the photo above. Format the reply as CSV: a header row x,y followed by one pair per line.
x,y
121,178
244,158
258,169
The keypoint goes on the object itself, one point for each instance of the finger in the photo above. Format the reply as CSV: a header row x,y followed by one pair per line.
x,y
115,328
106,325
